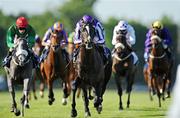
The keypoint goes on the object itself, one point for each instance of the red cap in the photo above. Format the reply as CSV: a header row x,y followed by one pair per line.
x,y
21,22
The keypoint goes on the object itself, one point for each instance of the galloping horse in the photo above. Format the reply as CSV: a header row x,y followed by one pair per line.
x,y
37,74
54,66
123,67
89,71
20,72
159,68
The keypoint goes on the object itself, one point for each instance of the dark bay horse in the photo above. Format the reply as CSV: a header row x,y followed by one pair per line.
x,y
89,71
123,67
37,73
158,72
20,72
55,66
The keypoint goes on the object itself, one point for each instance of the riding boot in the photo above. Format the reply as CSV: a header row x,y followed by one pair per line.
x,y
75,53
44,54
65,55
169,53
6,61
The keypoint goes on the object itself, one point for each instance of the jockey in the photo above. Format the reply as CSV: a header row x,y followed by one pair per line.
x,y
20,30
56,28
165,35
128,30
99,38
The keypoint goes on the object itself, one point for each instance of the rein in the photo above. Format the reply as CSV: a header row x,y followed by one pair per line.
x,y
121,59
157,57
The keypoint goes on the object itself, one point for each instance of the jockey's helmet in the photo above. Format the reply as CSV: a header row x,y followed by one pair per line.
x,y
123,25
58,26
87,18
21,22
157,25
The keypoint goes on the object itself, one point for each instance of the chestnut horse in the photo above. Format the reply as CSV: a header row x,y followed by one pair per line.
x,y
123,67
158,73
89,71
56,66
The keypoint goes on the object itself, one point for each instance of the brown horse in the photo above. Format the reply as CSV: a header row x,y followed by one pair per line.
x,y
55,66
89,71
123,67
158,73
37,73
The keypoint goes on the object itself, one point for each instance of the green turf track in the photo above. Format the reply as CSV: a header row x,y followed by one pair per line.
x,y
140,107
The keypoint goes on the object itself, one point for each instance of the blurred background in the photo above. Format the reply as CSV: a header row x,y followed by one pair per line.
x,y
139,13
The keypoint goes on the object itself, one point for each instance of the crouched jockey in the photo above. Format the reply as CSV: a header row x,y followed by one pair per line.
x,y
98,39
164,35
56,28
20,30
128,31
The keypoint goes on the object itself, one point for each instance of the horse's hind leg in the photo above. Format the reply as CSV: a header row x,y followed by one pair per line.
x,y
34,87
41,88
12,93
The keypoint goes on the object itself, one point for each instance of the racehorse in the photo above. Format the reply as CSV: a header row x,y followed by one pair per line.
x,y
37,48
54,66
89,71
123,67
158,73
20,72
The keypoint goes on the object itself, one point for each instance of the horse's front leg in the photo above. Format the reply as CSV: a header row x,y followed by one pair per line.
x,y
50,94
118,84
65,93
98,98
25,101
130,81
74,89
86,102
12,94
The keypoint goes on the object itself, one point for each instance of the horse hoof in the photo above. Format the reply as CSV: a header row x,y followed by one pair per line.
x,y
64,101
120,108
99,109
51,101
87,114
35,97
168,96
27,106
17,112
73,113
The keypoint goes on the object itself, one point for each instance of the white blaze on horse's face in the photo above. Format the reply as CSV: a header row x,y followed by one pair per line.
x,y
155,40
88,43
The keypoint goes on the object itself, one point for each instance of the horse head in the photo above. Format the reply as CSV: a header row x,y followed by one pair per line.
x,y
21,51
157,43
87,35
122,49
56,38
